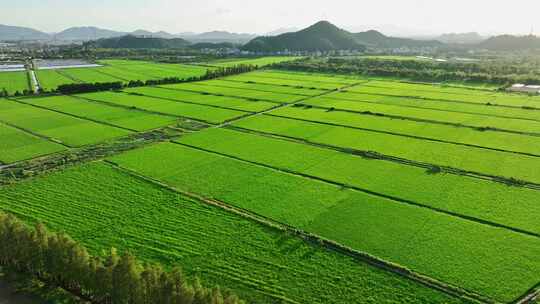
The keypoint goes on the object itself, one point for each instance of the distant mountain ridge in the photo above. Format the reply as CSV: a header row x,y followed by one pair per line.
x,y
134,42
8,32
461,38
377,39
511,43
324,36
219,37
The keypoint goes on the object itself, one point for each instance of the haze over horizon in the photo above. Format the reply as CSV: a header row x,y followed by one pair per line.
x,y
408,17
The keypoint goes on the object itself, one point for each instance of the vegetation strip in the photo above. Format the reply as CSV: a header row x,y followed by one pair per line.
x,y
218,246
352,187
508,180
398,104
479,128
335,213
318,240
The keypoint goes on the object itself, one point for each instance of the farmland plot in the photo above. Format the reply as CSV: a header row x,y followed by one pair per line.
x,y
468,254
474,120
439,132
285,82
473,159
104,207
317,77
51,79
88,75
118,116
464,95
18,145
209,100
449,106
251,61
493,202
70,130
234,92
13,81
261,87
174,108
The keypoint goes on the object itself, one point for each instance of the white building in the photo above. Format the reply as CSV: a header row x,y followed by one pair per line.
x,y
519,87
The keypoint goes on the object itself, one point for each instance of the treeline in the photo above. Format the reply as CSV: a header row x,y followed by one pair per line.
x,y
57,260
74,88
494,72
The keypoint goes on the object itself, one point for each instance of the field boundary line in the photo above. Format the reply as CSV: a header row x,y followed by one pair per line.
x,y
398,104
73,115
140,109
304,80
445,100
460,125
529,297
401,135
51,139
363,190
110,75
316,240
221,95
190,102
403,161
249,89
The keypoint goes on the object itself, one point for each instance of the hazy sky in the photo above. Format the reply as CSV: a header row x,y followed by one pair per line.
x,y
428,16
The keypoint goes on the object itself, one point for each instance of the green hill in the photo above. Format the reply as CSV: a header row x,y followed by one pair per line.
x,y
376,39
322,36
511,43
133,42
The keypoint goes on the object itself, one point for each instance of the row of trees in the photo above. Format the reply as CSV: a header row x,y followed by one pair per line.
x,y
488,72
74,88
120,279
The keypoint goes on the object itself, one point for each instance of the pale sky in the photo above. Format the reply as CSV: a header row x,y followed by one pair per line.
x,y
408,16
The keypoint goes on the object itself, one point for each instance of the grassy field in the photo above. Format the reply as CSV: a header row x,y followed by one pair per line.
x,y
299,80
117,70
261,87
118,116
450,106
493,202
263,265
419,150
236,92
233,103
168,107
262,61
51,79
447,93
475,256
14,81
440,132
70,130
18,145
473,120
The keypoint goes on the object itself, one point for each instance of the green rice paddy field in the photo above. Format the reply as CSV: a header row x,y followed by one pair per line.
x,y
262,61
102,206
14,81
378,166
116,70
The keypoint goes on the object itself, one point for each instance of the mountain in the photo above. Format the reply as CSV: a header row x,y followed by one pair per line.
x,y
133,42
160,34
282,30
461,38
218,37
322,36
210,45
21,33
86,33
376,39
511,43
